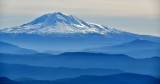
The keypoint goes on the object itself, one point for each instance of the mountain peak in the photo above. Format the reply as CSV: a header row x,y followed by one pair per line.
x,y
59,13
59,23
49,19
57,18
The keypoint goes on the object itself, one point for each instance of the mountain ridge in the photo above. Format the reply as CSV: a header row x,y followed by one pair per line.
x,y
135,48
14,49
84,60
50,73
124,78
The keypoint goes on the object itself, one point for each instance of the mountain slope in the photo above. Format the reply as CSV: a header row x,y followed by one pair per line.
x,y
136,48
13,49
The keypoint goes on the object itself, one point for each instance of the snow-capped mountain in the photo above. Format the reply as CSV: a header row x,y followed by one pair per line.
x,y
53,31
59,23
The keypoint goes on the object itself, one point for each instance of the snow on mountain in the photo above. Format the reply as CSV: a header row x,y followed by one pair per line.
x,y
59,23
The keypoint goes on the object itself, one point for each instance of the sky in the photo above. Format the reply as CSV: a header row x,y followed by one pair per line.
x,y
137,16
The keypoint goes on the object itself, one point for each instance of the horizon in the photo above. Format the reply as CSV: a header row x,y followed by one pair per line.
x,y
140,18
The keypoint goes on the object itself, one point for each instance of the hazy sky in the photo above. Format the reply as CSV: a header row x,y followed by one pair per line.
x,y
138,16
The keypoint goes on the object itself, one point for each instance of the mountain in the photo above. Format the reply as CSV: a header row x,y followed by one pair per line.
x,y
16,71
88,60
59,23
53,31
125,78
141,44
137,48
13,49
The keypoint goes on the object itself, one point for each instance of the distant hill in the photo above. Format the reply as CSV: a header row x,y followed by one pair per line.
x,y
136,48
18,71
13,49
88,60
126,78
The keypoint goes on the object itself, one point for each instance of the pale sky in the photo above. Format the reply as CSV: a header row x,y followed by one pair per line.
x,y
137,16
